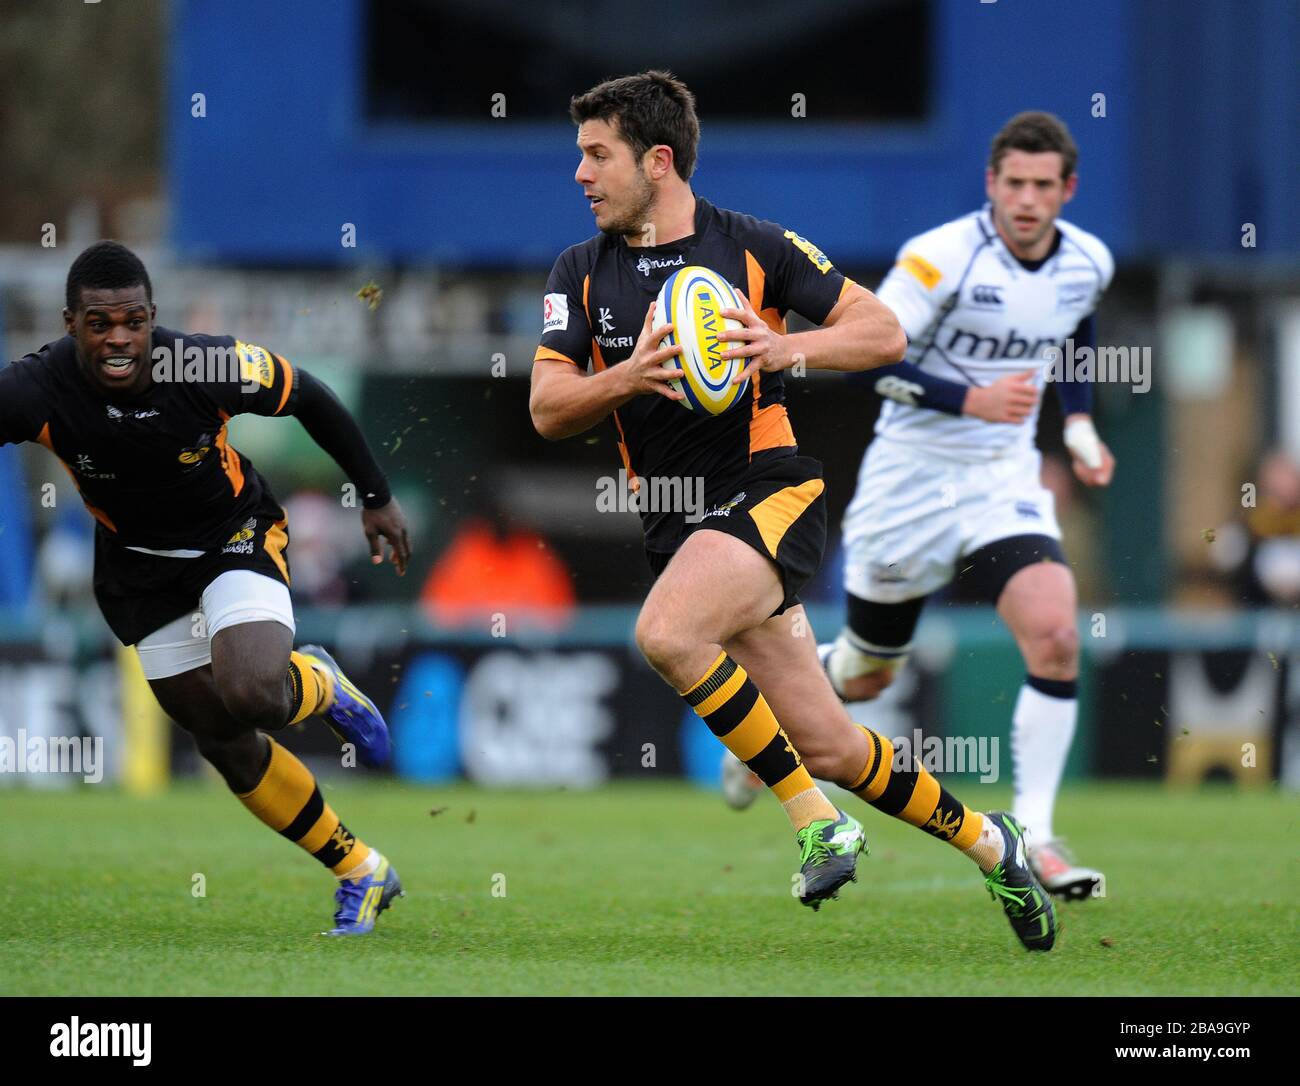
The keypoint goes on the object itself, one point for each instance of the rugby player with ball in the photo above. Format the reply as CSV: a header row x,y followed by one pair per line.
x,y
723,623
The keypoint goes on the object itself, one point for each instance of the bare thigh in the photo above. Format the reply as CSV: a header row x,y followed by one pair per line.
x,y
714,587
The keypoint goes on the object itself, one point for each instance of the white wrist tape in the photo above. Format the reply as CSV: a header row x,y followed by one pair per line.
x,y
1082,440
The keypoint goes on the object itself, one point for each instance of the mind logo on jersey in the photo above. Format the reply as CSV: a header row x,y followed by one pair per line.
x,y
646,265
255,364
820,260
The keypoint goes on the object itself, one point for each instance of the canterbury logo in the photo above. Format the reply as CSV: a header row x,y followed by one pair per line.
x,y
342,839
944,824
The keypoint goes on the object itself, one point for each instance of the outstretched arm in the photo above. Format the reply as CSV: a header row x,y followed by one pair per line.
x,y
333,428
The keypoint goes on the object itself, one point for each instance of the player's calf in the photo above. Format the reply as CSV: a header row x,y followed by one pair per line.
x,y
233,749
240,759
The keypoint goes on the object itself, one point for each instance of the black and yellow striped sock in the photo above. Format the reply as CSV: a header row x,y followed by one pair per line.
x,y
311,690
288,800
915,796
731,705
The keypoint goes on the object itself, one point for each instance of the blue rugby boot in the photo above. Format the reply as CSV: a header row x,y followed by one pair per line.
x,y
352,716
361,902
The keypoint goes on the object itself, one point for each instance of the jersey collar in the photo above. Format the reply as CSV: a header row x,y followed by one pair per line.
x,y
991,235
703,212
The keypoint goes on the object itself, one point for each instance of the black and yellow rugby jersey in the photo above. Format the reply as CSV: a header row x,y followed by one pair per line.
x,y
596,302
156,471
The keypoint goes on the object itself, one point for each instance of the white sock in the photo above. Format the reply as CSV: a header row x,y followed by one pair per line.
x,y
364,868
989,847
1042,728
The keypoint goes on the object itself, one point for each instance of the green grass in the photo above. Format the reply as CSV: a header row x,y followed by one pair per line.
x,y
636,889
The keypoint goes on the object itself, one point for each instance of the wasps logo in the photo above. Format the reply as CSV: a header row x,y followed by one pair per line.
x,y
724,510
255,364
820,260
246,532
944,824
340,838
196,452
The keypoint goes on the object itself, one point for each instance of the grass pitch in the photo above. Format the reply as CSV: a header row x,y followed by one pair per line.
x,y
631,890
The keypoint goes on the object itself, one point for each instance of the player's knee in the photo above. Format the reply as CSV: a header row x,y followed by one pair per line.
x,y
659,643
257,704
1054,652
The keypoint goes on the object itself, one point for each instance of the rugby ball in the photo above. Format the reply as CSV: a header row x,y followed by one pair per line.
x,y
691,300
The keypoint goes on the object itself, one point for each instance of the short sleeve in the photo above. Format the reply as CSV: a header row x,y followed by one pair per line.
x,y
566,334
801,277
266,383
1106,268
917,285
22,404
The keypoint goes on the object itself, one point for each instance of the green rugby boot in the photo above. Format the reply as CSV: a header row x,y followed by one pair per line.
x,y
828,857
1013,884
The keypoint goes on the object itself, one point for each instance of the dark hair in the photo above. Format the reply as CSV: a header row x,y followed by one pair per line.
x,y
651,108
1035,131
106,265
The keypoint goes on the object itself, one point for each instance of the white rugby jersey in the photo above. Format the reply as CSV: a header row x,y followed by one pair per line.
x,y
973,313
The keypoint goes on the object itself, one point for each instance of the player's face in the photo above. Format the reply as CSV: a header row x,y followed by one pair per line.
x,y
113,330
621,195
1027,193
